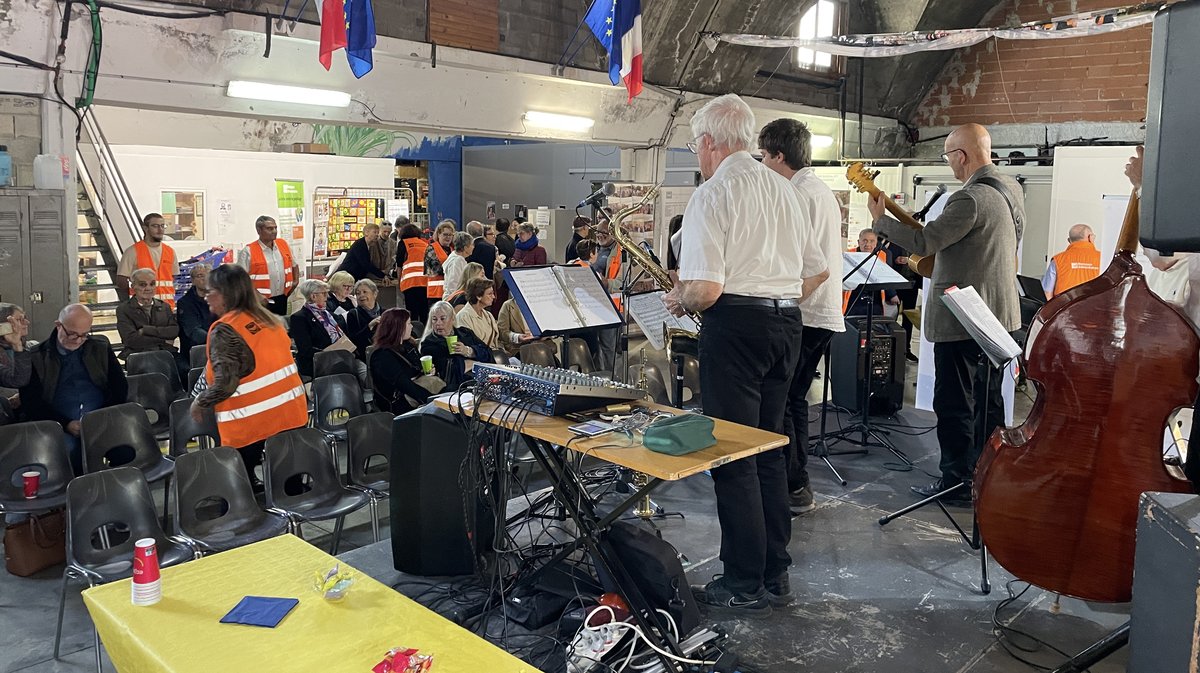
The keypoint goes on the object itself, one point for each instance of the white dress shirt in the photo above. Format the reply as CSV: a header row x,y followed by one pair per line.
x,y
823,308
747,229
275,270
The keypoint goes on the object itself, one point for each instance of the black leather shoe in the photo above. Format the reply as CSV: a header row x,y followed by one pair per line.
x,y
939,485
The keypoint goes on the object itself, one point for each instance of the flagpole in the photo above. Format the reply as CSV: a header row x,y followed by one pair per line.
x,y
571,41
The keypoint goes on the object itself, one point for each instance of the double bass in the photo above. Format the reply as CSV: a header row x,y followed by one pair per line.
x,y
1057,496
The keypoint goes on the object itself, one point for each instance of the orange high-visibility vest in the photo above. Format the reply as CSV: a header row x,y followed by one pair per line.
x,y
437,283
846,293
261,277
412,274
164,288
1076,265
271,399
613,272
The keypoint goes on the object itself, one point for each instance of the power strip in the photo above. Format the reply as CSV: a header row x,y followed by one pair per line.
x,y
689,646
590,646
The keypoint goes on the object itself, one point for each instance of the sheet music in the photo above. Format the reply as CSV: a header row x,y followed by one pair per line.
x,y
650,313
591,299
983,326
876,272
542,293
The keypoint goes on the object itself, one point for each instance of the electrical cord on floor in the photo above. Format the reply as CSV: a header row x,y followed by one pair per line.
x,y
1004,632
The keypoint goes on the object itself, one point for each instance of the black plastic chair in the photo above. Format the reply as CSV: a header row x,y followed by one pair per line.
x,y
214,502
33,447
194,375
120,436
538,353
579,356
100,502
369,450
418,329
160,362
184,428
198,356
295,461
336,399
328,363
153,392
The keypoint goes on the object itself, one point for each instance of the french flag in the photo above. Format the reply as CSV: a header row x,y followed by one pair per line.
x,y
617,24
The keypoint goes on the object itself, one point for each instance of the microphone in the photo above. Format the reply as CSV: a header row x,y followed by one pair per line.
x,y
645,245
933,198
608,189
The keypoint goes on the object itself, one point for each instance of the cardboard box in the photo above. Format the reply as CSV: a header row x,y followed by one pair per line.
x,y
310,148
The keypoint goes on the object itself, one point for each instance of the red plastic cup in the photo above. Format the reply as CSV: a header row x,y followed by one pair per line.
x,y
145,561
32,481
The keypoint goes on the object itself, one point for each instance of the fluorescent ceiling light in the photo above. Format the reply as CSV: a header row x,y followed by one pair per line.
x,y
282,93
821,142
551,120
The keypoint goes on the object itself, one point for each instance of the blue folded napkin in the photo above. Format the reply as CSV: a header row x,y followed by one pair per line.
x,y
260,611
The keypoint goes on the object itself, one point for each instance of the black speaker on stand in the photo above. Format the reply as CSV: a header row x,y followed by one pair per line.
x,y
439,521
848,365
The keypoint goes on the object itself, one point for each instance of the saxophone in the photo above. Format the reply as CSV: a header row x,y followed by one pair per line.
x,y
675,338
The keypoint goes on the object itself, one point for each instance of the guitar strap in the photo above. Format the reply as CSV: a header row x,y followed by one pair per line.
x,y
998,186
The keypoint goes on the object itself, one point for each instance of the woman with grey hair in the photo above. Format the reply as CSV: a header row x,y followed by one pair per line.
x,y
528,252
314,328
453,267
361,322
451,364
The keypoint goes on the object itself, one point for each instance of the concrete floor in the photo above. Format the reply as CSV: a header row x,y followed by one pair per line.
x,y
868,599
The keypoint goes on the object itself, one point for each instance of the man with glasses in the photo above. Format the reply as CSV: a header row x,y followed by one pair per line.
x,y
975,239
150,253
73,373
273,270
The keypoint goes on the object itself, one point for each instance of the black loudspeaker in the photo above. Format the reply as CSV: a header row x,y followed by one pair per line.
x,y
1168,218
439,521
848,366
1165,616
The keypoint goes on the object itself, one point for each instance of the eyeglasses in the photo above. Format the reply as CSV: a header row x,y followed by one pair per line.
x,y
73,335
946,155
694,146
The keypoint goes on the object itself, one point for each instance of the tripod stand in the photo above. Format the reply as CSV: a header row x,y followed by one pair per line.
x,y
819,447
974,541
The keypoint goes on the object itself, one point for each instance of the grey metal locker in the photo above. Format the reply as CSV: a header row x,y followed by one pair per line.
x,y
35,265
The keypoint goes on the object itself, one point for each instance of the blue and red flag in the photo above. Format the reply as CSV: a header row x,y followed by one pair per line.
x,y
348,24
618,26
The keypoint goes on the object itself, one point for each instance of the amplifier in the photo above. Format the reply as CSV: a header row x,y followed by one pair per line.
x,y
848,365
549,391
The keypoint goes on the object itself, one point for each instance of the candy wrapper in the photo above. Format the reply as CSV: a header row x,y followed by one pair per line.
x,y
334,584
401,660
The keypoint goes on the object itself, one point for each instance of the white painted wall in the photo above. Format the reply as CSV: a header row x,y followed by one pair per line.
x,y
245,178
1082,176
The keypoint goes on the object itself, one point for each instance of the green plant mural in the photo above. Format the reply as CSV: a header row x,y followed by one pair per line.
x,y
361,141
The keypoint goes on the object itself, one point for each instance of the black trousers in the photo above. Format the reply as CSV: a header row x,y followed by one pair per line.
x,y
812,348
748,355
416,300
959,393
278,304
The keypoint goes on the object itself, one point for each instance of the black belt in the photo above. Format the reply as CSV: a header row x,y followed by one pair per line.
x,y
765,302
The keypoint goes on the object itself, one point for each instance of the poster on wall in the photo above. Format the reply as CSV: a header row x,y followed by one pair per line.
x,y
640,224
672,201
225,222
289,195
320,216
491,211
396,208
346,219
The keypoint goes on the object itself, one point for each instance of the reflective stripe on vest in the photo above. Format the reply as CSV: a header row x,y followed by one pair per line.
x,y
268,401
412,274
164,286
1076,265
614,270
260,274
437,283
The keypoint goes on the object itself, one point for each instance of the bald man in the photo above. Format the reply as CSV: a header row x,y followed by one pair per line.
x,y
1076,265
975,240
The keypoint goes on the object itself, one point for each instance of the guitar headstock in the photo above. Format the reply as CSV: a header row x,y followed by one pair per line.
x,y
862,178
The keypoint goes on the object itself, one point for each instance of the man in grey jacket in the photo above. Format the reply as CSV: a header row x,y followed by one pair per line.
x,y
975,239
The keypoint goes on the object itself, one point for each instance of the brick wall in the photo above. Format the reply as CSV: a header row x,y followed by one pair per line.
x,y
21,132
1090,79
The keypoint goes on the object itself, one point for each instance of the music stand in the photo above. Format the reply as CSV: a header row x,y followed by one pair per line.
x,y
998,349
868,281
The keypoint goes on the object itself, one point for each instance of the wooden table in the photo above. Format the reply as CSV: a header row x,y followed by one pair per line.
x,y
183,633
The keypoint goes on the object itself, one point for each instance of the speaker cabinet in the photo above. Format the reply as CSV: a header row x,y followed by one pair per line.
x,y
1168,218
848,365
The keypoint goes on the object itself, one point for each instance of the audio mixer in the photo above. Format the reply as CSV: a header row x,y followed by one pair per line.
x,y
548,390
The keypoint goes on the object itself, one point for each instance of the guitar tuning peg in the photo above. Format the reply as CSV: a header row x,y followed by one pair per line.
x,y
875,174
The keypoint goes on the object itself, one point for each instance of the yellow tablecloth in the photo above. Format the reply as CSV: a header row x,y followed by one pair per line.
x,y
183,631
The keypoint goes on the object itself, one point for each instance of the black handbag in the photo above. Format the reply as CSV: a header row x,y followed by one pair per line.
x,y
35,544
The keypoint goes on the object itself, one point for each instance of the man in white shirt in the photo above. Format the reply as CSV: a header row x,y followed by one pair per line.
x,y
273,270
786,145
750,341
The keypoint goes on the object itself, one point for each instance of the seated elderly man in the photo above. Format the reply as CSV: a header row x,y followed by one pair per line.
x,y
145,323
192,311
73,373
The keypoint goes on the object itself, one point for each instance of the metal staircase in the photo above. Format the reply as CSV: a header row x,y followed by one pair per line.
x,y
108,223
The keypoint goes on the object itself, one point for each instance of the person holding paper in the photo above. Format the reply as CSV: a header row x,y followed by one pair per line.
x,y
315,329
751,341
975,239
786,145
451,362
